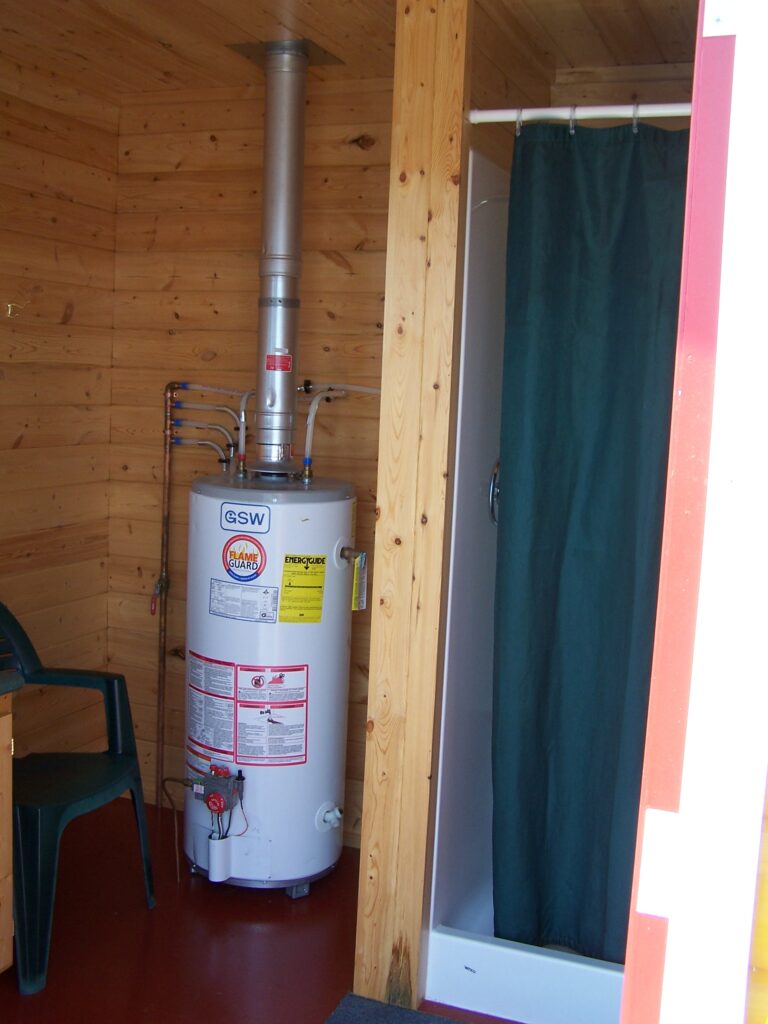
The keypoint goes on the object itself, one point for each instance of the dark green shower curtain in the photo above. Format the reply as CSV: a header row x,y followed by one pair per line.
x,y
594,252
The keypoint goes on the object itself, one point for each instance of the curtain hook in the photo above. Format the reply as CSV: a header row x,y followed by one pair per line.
x,y
572,127
519,122
635,118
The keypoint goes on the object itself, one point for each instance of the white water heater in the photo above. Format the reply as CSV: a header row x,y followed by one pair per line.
x,y
269,598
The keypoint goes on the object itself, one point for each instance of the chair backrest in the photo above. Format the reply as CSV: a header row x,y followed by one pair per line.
x,y
16,650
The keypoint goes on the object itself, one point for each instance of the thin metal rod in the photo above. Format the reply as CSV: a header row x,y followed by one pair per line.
x,y
626,111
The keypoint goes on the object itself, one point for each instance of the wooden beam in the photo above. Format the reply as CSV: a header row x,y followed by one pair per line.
x,y
420,327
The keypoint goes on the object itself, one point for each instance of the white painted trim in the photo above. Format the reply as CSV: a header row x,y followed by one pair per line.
x,y
726,753
720,17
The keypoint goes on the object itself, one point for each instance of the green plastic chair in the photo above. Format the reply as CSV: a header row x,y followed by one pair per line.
x,y
50,789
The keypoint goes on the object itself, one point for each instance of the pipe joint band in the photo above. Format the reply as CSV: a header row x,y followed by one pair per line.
x,y
270,303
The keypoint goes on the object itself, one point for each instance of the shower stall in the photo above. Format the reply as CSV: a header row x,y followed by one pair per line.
x,y
466,965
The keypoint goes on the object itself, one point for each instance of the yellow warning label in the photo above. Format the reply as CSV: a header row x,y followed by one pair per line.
x,y
359,582
301,595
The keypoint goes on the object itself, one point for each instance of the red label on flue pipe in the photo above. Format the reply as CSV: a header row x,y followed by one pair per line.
x,y
279,362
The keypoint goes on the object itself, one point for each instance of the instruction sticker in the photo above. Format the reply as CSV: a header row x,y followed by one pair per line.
x,y
243,601
301,593
271,723
275,684
210,705
271,734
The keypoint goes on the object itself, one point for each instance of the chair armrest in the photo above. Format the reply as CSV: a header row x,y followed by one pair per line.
x,y
112,686
71,677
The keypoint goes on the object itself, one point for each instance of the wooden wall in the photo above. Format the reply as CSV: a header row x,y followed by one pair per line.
x,y
81,402
57,196
186,308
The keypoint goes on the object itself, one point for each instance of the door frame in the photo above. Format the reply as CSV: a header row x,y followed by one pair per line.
x,y
706,757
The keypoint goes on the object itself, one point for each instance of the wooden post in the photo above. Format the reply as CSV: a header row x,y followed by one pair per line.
x,y
421,321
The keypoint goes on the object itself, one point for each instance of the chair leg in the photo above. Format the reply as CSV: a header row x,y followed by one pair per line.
x,y
36,856
137,796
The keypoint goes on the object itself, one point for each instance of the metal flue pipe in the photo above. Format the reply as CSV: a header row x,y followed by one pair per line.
x,y
285,68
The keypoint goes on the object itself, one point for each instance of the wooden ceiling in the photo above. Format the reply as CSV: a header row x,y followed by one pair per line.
x,y
114,47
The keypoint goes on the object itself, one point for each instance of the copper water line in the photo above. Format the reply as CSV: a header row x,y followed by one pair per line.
x,y
160,595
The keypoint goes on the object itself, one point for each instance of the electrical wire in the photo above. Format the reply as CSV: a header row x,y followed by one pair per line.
x,y
229,823
245,818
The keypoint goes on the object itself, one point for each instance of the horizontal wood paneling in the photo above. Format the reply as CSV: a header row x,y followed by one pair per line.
x,y
239,149
187,353
657,83
57,201
39,301
330,103
77,464
44,426
56,176
43,88
68,504
75,722
223,231
23,340
53,260
327,271
58,623
59,134
348,189
57,546
238,310
57,219
31,590
51,384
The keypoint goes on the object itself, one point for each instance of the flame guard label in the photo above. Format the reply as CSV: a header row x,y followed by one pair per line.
x,y
244,558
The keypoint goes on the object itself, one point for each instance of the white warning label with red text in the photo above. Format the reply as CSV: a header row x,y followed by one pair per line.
x,y
210,709
272,704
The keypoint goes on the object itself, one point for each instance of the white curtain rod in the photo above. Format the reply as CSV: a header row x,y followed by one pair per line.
x,y
629,111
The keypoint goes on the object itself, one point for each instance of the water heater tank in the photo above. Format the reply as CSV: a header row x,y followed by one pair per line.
x,y
268,640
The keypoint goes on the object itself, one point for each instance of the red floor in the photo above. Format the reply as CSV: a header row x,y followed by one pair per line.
x,y
205,953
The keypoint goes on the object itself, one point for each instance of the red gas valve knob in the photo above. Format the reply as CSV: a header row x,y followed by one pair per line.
x,y
216,803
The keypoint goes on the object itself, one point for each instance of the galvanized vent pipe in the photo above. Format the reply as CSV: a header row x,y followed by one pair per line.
x,y
285,67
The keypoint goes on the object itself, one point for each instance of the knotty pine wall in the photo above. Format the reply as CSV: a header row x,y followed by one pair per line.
x,y
58,162
158,194
186,308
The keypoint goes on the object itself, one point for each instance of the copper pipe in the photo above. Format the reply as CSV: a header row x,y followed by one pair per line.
x,y
160,596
